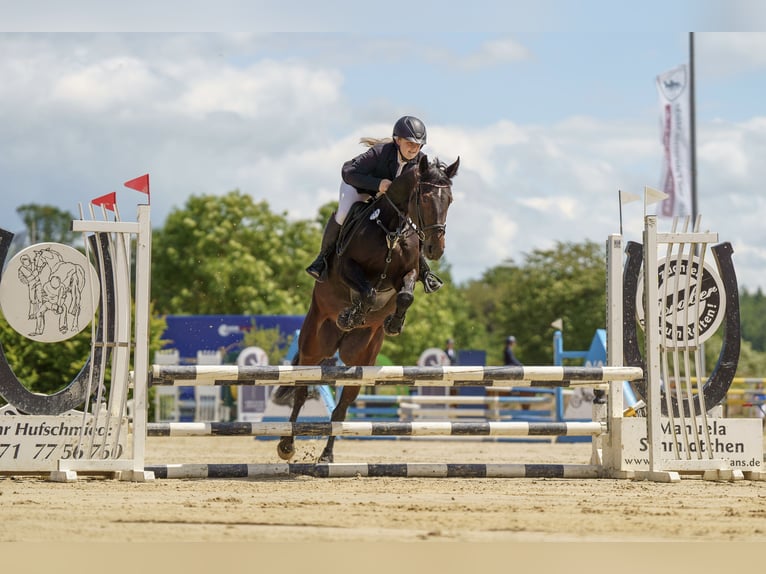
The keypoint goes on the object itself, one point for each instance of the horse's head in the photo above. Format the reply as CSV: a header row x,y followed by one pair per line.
x,y
430,202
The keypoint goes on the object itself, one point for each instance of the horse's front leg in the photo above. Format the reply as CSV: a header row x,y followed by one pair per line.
x,y
394,323
347,397
353,275
286,446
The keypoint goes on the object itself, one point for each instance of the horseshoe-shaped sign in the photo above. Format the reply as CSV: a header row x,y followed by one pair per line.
x,y
715,388
73,395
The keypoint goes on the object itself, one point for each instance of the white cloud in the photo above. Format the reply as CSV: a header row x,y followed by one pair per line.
x,y
264,90
494,52
105,85
725,54
210,113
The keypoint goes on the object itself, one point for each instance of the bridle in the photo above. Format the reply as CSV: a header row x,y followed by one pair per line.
x,y
421,228
406,225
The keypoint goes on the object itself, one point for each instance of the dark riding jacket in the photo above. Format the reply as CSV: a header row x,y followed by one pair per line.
x,y
380,162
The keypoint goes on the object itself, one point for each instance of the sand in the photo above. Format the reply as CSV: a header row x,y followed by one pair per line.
x,y
360,509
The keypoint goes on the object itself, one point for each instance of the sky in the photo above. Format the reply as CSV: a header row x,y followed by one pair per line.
x,y
549,120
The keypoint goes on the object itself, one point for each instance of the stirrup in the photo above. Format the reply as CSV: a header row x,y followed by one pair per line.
x,y
431,282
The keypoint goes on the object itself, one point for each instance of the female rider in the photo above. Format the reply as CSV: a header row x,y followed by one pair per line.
x,y
369,174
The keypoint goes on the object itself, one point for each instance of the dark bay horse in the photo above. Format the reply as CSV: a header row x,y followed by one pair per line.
x,y
371,282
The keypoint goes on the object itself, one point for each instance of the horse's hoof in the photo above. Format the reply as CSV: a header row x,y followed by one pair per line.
x,y
326,457
392,326
285,450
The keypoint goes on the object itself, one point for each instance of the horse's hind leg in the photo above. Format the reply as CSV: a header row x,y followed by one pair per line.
x,y
394,323
286,446
361,347
347,397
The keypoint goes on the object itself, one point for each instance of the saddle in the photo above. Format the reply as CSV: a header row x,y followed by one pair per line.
x,y
358,213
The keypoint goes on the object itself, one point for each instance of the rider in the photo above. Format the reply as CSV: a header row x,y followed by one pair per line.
x,y
370,174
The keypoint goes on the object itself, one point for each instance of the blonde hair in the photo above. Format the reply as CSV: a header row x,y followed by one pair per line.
x,y
369,142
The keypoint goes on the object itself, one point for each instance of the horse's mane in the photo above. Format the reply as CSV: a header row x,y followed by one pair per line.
x,y
436,172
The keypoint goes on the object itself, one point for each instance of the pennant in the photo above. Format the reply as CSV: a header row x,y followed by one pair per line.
x,y
627,197
558,324
107,201
652,195
139,184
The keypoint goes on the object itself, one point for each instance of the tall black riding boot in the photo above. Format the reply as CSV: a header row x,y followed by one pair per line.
x,y
318,269
431,282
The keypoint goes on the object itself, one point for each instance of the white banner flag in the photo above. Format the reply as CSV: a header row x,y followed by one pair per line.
x,y
675,126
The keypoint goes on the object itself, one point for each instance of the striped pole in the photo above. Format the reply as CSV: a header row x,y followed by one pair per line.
x,y
377,428
352,470
303,375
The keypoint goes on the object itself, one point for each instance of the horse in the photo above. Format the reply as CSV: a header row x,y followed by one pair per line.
x,y
371,282
62,284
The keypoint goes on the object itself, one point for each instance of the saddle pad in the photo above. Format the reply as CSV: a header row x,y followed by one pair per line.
x,y
359,212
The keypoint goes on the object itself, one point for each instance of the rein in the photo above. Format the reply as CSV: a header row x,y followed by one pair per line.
x,y
393,237
406,225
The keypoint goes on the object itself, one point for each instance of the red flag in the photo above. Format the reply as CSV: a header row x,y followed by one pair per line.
x,y
108,201
139,184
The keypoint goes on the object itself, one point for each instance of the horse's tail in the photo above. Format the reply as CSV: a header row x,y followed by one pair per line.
x,y
283,396
80,279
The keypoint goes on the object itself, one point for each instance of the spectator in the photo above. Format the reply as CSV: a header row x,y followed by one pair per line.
x,y
449,350
508,357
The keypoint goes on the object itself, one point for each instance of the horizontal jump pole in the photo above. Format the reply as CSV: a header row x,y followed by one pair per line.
x,y
451,399
302,375
377,428
352,470
410,411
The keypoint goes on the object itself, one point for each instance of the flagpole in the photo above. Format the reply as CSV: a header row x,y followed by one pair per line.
x,y
692,129
619,200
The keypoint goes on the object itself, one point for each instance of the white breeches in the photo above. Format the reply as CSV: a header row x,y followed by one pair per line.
x,y
348,197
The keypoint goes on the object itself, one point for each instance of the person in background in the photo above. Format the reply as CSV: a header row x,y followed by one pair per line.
x,y
508,357
449,350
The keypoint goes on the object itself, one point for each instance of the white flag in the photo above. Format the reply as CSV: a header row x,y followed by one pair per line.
x,y
675,127
627,197
652,195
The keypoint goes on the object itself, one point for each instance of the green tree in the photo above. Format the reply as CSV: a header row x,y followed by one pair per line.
x,y
49,367
431,319
753,316
272,341
229,254
564,282
46,223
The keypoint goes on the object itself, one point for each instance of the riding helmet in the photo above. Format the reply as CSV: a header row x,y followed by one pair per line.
x,y
411,129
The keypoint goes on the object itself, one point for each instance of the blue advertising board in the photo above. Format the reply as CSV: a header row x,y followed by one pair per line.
x,y
192,333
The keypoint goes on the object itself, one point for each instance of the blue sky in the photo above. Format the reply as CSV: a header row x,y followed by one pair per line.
x,y
549,122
